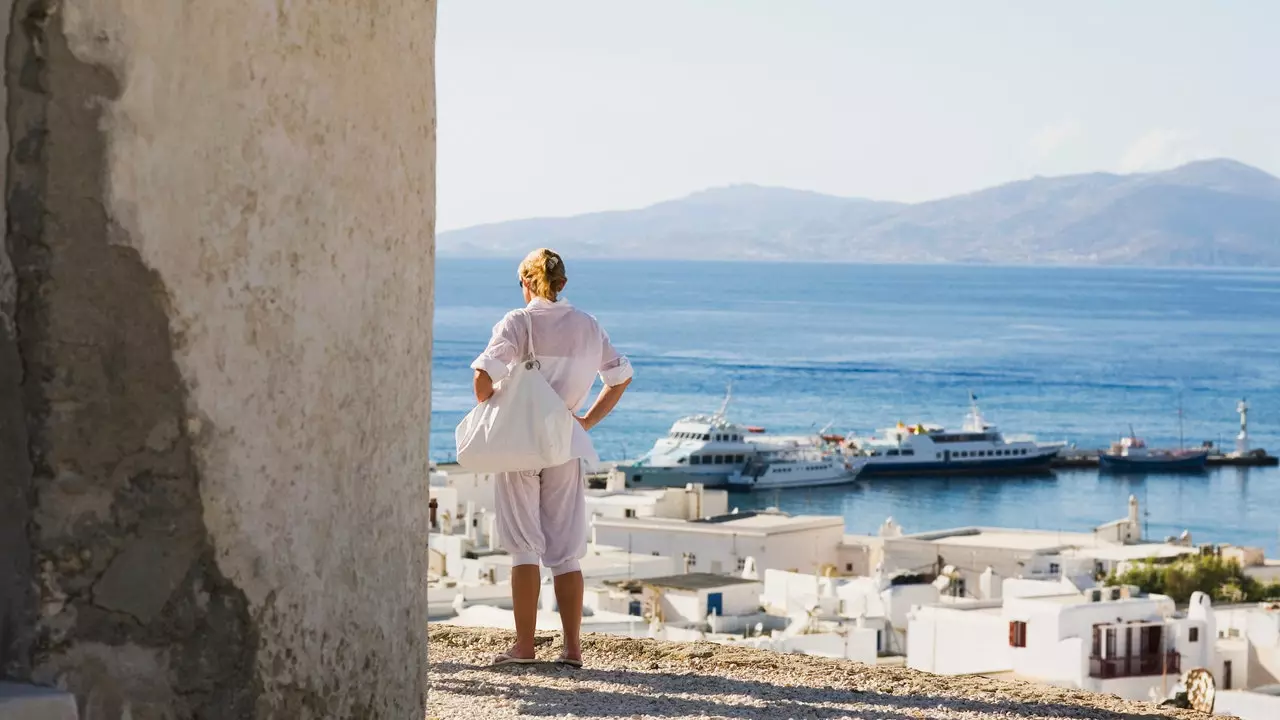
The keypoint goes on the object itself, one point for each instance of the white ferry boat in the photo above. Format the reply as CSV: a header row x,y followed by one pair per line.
x,y
979,447
809,467
707,449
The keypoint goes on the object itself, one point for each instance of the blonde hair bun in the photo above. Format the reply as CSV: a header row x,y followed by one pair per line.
x,y
543,273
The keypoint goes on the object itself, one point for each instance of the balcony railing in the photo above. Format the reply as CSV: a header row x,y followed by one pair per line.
x,y
1135,665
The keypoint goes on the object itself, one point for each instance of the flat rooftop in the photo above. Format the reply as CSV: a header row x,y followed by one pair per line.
x,y
696,581
1003,538
762,523
1139,551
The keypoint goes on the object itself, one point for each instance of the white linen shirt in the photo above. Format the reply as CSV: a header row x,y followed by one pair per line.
x,y
571,348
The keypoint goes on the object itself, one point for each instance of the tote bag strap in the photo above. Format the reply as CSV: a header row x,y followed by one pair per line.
x,y
531,360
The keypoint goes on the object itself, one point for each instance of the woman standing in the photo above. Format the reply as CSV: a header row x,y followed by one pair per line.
x,y
542,514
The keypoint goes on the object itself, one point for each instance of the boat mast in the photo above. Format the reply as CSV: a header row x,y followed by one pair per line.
x,y
728,393
1180,420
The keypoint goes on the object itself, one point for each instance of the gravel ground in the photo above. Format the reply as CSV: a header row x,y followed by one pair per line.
x,y
626,678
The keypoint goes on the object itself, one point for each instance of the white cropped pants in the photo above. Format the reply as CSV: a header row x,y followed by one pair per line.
x,y
542,516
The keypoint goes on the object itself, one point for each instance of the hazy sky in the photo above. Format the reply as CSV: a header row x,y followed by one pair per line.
x,y
560,107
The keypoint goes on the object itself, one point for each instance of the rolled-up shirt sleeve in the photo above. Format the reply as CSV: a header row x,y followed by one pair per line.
x,y
615,368
502,350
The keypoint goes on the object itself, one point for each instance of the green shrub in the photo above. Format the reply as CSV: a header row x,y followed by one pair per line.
x,y
1222,580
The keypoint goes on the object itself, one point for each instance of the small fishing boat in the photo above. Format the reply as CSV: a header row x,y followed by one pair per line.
x,y
1132,454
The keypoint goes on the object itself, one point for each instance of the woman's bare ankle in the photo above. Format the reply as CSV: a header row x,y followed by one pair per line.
x,y
523,651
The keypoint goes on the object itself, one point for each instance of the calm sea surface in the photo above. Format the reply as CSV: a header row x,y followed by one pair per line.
x,y
1065,354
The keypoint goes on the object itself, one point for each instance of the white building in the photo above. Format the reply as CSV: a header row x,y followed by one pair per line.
x,y
723,543
876,606
1249,642
687,503
462,573
689,599
1009,553
1107,640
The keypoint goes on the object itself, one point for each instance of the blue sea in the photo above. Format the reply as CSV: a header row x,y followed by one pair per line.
x,y
1063,353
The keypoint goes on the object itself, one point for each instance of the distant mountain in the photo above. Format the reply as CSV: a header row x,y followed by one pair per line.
x,y
1213,212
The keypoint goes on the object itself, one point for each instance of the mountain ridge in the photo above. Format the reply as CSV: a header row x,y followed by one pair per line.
x,y
1210,212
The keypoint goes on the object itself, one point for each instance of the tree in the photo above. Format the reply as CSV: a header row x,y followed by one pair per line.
x,y
1222,580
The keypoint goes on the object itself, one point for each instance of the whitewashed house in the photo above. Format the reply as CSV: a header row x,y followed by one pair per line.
x,y
1249,645
469,487
1012,553
722,544
873,610
687,503
692,597
1107,640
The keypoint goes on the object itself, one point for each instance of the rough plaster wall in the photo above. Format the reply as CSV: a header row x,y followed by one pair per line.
x,y
17,596
224,250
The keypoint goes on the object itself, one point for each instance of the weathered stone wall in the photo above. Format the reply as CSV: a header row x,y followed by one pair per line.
x,y
220,223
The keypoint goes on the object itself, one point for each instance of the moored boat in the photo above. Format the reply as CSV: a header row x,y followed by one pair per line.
x,y
707,449
979,447
797,469
1132,454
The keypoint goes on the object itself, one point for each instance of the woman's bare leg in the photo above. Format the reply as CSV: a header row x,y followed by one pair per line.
x,y
526,581
569,589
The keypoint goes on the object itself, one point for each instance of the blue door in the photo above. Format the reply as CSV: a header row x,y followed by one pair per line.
x,y
715,603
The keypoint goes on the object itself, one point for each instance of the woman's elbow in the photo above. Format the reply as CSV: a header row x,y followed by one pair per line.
x,y
483,386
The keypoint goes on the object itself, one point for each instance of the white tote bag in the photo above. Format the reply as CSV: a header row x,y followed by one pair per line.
x,y
524,426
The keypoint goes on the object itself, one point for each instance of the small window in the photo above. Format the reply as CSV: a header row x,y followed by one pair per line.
x,y
892,453
654,553
630,512
938,455
1054,569
1024,451
848,567
695,459
742,458
1017,634
719,460
706,437
1194,635
742,564
908,452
